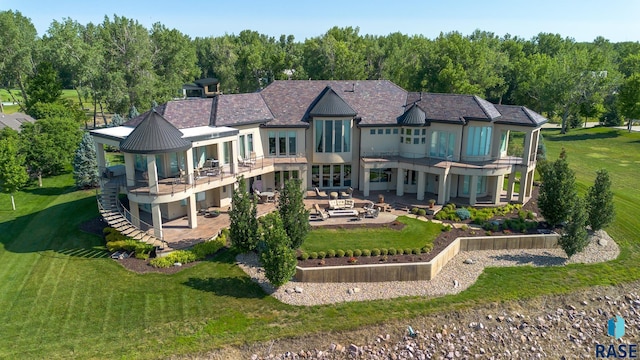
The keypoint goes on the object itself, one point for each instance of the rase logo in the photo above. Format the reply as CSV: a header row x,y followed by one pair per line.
x,y
615,329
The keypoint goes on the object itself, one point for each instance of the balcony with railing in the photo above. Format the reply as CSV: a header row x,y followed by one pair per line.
x,y
425,160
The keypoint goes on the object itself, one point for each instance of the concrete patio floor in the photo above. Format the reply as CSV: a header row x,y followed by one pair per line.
x,y
178,235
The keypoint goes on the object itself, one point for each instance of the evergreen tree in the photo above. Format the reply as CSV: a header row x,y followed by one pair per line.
x,y
278,259
243,217
600,201
116,120
558,190
13,174
85,164
133,112
575,237
295,218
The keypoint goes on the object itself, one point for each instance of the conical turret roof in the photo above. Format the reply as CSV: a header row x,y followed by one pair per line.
x,y
154,135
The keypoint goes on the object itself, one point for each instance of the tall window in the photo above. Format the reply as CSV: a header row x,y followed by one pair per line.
x,y
379,175
282,143
442,144
330,176
482,185
479,141
243,152
272,143
332,136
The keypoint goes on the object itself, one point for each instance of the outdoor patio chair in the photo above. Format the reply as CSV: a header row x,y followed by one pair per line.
x,y
245,162
323,215
321,194
347,194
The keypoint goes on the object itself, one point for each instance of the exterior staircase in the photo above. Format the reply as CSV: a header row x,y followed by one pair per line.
x,y
119,218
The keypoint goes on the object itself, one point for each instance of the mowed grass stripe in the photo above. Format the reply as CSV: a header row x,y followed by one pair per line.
x,y
52,314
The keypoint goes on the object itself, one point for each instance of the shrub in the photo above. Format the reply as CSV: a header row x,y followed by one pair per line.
x,y
375,252
321,254
303,256
488,233
384,251
446,227
441,215
204,249
142,256
427,248
181,256
357,252
366,252
392,251
331,253
414,210
422,212
161,262
408,251
464,227
416,251
348,253
463,214
340,253
313,255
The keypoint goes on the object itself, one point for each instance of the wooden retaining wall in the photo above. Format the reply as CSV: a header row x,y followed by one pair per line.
x,y
423,270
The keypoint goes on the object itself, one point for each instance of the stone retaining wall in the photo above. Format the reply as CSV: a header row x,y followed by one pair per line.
x,y
422,270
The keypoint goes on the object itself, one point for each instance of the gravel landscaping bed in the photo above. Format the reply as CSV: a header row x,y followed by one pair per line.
x,y
460,273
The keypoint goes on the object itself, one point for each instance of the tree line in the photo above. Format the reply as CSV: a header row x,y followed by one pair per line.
x,y
119,63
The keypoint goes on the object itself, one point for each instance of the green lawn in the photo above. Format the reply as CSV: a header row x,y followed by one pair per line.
x,y
60,297
416,234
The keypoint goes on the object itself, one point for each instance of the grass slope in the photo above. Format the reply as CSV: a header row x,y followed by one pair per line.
x,y
416,234
60,297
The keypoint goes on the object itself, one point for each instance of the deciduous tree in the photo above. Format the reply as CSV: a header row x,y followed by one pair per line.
x,y
13,174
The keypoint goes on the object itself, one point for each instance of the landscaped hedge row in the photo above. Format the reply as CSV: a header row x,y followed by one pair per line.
x,y
364,252
198,252
478,216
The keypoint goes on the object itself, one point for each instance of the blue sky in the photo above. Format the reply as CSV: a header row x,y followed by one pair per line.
x,y
616,20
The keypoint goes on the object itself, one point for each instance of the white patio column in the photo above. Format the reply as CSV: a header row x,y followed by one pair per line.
x,y
152,171
100,156
233,165
156,215
400,181
511,184
524,179
422,177
497,189
130,168
365,190
526,154
442,187
192,213
473,190
135,213
189,165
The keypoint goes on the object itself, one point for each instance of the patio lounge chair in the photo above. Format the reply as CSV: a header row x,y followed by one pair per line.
x,y
321,194
347,194
320,213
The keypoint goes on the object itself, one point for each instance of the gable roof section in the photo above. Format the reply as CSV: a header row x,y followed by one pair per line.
x,y
238,109
376,102
454,108
519,115
154,135
328,103
414,116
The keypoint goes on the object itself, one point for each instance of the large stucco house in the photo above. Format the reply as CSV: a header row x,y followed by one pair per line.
x,y
369,135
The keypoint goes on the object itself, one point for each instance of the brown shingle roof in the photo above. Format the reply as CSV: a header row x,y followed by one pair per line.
x,y
14,120
238,109
454,107
519,115
375,101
